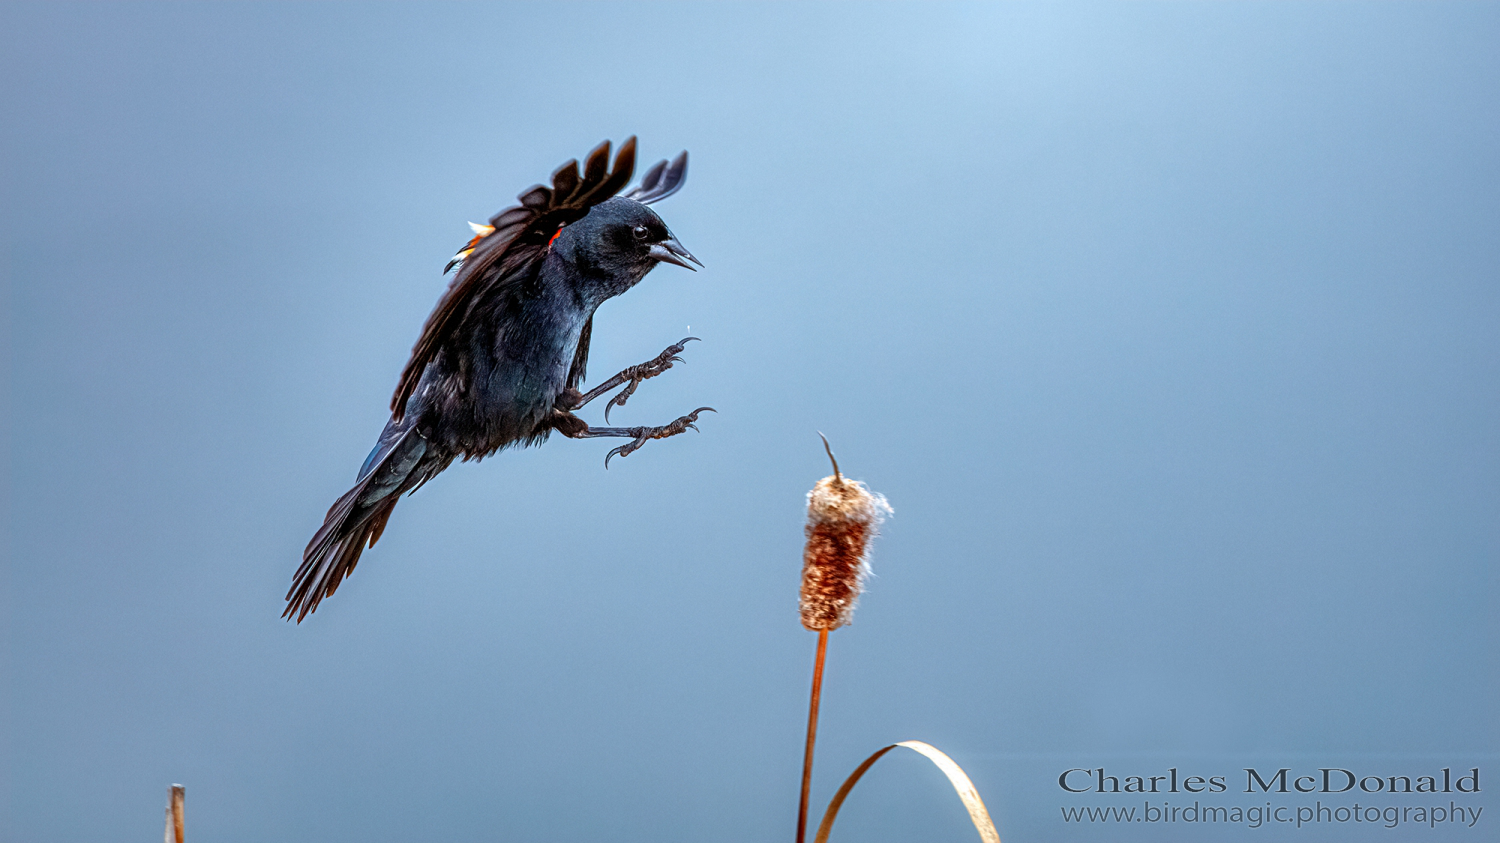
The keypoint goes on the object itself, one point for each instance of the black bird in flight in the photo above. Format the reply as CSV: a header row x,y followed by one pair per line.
x,y
501,359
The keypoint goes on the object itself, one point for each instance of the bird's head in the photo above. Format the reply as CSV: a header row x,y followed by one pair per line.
x,y
618,242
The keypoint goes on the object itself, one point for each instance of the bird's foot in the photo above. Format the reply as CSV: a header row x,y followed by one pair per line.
x,y
632,377
641,435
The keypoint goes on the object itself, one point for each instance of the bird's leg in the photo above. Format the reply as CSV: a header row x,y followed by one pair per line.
x,y
575,428
632,378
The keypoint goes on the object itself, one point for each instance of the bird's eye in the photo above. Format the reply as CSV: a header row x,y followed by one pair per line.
x,y
641,233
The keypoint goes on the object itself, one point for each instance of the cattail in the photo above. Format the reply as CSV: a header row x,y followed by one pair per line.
x,y
842,517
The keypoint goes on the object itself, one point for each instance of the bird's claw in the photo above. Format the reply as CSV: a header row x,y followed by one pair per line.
x,y
645,434
649,369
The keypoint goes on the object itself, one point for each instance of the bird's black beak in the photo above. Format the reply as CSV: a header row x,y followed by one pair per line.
x,y
671,251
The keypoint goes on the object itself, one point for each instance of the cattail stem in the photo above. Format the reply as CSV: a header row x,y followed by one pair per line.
x,y
812,734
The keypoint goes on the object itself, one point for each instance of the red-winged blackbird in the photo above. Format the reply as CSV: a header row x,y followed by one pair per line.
x,y
501,359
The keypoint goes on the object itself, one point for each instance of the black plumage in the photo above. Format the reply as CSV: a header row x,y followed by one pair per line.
x,y
501,359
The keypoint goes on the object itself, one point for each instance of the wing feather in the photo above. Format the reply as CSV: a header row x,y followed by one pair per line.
x,y
538,199
578,370
510,217
565,181
650,180
596,165
661,181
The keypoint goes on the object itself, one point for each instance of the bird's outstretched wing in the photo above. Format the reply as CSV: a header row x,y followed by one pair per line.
x,y
518,240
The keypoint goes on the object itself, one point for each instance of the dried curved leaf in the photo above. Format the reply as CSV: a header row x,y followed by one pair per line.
x,y
955,774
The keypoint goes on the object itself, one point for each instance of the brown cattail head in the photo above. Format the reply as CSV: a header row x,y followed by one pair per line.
x,y
842,517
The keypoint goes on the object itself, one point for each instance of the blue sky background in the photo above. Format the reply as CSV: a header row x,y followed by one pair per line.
x,y
1170,332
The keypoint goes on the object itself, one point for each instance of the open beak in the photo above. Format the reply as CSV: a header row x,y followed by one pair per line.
x,y
671,251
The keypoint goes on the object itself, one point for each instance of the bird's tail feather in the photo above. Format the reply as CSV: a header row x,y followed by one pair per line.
x,y
354,522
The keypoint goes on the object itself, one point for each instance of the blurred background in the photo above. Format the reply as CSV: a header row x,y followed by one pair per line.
x,y
1170,332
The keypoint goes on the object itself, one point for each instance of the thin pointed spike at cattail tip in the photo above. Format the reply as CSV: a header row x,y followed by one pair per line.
x,y
829,449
